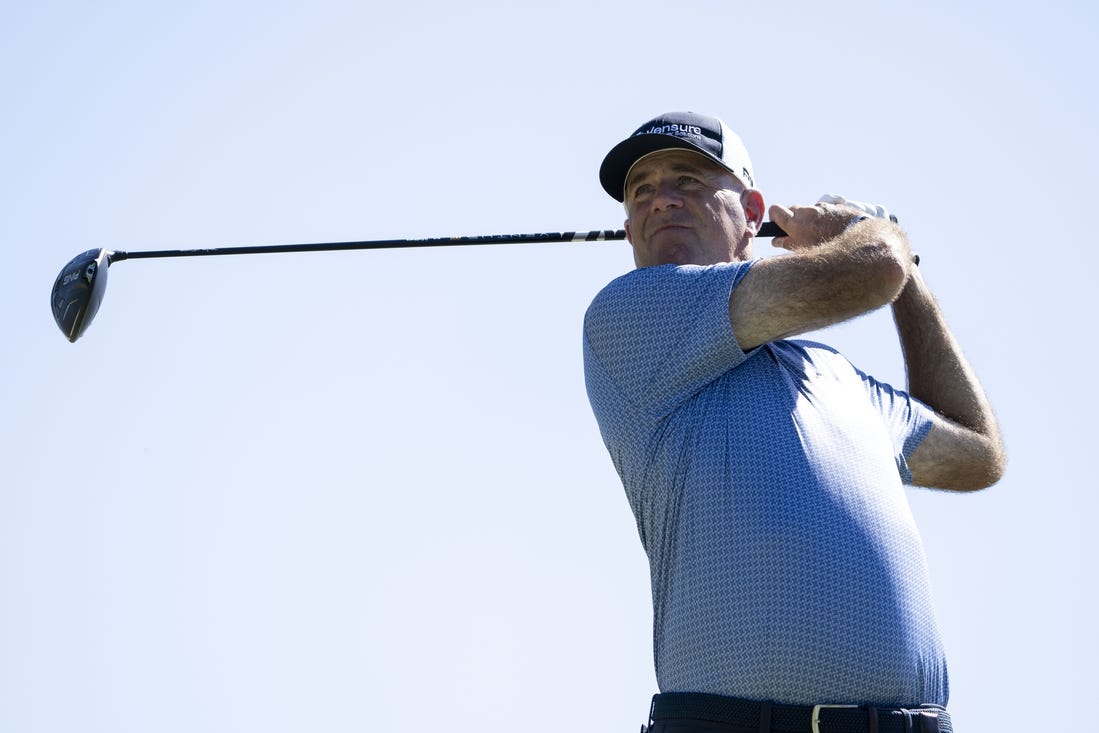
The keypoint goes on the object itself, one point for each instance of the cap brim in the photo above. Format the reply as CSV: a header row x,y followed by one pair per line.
x,y
616,166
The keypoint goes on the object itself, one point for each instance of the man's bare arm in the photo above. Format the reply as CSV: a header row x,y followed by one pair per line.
x,y
836,270
964,450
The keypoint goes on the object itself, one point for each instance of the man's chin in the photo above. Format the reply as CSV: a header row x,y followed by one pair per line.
x,y
671,252
666,258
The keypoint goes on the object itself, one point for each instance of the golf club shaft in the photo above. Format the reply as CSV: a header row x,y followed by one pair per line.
x,y
769,229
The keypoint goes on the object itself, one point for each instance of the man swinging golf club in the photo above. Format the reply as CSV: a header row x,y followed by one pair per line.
x,y
790,590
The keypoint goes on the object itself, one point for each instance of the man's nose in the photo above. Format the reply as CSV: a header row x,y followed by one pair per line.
x,y
666,196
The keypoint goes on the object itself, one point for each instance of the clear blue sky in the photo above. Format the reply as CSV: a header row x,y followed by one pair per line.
x,y
346,491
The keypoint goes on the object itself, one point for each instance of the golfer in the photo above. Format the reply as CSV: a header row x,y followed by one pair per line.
x,y
766,473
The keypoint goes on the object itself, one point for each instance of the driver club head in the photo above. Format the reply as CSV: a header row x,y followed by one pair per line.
x,y
78,291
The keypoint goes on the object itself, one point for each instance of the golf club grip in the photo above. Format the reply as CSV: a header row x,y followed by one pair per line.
x,y
770,229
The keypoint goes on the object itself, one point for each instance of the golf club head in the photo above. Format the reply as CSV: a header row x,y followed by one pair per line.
x,y
78,291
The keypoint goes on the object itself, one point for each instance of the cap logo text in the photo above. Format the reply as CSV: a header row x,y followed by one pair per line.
x,y
676,130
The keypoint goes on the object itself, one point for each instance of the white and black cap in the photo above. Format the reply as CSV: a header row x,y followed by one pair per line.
x,y
685,130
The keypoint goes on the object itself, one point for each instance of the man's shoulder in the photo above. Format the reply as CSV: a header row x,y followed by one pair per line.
x,y
655,279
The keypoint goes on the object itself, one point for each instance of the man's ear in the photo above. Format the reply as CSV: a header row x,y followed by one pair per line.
x,y
626,226
755,210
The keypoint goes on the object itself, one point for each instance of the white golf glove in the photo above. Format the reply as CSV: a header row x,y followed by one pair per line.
x,y
869,209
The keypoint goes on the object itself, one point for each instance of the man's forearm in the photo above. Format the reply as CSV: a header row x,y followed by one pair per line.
x,y
940,376
938,373
823,282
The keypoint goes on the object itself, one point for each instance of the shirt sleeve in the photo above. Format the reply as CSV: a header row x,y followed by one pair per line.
x,y
659,334
907,419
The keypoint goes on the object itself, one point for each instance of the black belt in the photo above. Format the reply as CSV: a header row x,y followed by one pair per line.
x,y
764,717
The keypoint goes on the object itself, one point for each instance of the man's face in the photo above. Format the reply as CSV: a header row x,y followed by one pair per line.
x,y
684,209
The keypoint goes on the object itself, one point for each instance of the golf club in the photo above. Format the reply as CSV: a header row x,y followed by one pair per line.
x,y
79,287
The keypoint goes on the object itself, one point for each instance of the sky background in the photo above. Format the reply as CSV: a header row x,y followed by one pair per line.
x,y
364,491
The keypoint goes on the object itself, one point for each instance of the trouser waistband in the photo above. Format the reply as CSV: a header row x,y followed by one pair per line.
x,y
752,716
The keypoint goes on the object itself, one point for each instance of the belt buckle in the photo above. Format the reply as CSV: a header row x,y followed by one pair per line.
x,y
816,713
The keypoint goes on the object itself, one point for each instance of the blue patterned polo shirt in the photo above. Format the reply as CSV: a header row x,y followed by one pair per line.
x,y
768,490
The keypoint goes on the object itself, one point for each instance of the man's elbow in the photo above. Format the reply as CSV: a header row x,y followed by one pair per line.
x,y
994,470
889,273
977,481
958,460
983,471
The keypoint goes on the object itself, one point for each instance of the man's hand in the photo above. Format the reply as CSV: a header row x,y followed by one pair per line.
x,y
809,226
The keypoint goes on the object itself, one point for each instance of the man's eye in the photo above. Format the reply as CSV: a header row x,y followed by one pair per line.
x,y
643,190
687,180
